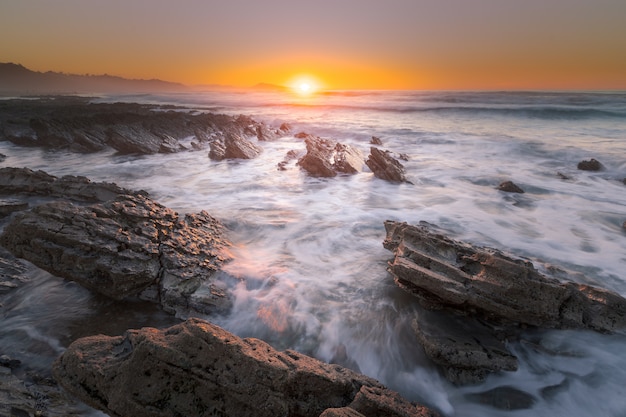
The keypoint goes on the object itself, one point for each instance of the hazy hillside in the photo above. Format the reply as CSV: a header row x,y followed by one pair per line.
x,y
15,79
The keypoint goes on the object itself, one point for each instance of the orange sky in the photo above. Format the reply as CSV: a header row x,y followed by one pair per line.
x,y
343,44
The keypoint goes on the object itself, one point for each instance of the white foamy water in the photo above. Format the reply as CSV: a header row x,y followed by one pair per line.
x,y
308,251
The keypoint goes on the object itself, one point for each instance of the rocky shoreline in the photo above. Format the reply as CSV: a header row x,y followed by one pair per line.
x,y
123,244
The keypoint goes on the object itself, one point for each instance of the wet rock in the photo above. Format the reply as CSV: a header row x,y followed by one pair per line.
x,y
504,398
376,141
75,124
12,276
266,133
327,158
302,135
20,398
341,412
510,187
24,181
464,348
291,155
563,176
125,246
385,166
590,165
485,282
233,146
8,206
197,368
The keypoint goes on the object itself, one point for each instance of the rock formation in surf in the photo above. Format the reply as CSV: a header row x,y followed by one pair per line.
x,y
502,292
327,158
385,166
196,368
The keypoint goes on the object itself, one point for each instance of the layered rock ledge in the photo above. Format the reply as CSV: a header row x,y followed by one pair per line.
x,y
327,158
196,368
501,293
76,124
126,246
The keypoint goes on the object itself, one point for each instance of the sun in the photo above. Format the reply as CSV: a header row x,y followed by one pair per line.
x,y
304,88
304,85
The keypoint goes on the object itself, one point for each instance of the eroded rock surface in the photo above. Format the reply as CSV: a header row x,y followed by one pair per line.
x,y
233,145
25,181
196,368
327,158
510,187
124,247
385,166
486,284
75,124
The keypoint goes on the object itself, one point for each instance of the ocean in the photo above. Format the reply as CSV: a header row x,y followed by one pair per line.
x,y
309,250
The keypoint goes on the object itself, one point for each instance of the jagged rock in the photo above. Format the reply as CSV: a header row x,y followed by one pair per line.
x,y
303,135
75,124
291,155
233,146
266,133
510,187
125,246
466,349
385,166
376,141
326,158
196,368
444,272
486,297
590,165
14,181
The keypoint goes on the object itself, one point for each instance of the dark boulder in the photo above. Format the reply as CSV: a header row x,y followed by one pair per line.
x,y
385,166
196,368
590,165
376,141
126,247
510,187
327,158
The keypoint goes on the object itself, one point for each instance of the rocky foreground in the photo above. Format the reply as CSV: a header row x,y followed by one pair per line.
x,y
122,244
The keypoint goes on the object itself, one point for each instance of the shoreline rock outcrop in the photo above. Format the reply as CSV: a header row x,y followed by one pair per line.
x,y
78,125
197,368
385,166
327,158
123,245
504,294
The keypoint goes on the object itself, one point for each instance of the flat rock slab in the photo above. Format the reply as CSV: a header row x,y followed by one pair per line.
x,y
196,368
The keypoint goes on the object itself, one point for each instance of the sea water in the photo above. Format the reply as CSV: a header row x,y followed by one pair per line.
x,y
309,264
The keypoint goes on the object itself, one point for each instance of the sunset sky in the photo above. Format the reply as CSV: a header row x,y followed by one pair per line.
x,y
340,44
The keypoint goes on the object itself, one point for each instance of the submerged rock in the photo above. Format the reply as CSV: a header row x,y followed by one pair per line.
x,y
590,165
385,166
327,158
196,368
125,246
510,187
465,348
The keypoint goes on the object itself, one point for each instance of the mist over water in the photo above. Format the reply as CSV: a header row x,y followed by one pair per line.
x,y
309,270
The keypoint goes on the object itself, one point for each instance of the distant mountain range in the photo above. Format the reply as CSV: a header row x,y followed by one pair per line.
x,y
15,79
